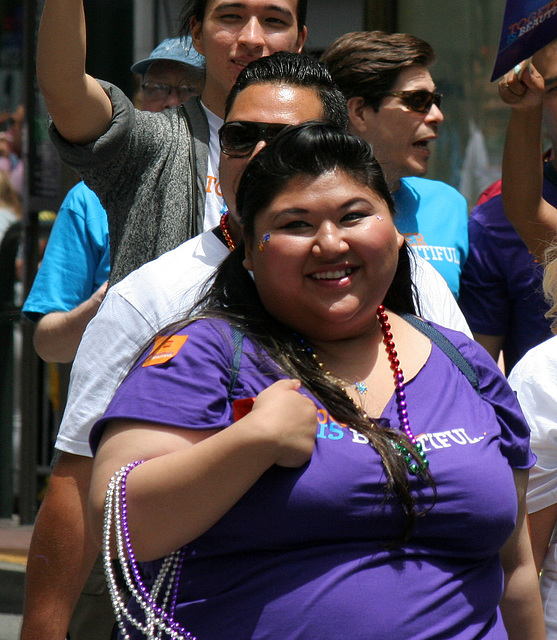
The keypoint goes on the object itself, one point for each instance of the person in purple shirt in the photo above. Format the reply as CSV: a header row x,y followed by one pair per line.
x,y
353,500
501,292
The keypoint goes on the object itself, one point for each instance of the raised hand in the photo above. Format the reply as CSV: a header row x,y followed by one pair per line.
x,y
522,87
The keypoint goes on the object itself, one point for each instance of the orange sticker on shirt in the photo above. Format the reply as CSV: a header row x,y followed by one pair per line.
x,y
164,349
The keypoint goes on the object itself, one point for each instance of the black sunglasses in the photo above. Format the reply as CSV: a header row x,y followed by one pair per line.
x,y
238,138
419,100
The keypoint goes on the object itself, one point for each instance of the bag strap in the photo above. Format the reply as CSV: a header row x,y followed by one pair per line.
x,y
238,342
192,231
447,347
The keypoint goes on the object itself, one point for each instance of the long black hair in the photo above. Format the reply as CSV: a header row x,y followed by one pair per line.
x,y
312,149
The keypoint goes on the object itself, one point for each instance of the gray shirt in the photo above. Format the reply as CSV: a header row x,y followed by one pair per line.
x,y
143,170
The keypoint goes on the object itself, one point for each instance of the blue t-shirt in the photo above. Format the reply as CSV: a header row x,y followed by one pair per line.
x,y
302,555
501,285
434,219
77,256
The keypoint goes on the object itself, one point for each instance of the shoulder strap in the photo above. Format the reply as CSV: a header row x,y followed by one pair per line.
x,y
237,340
447,347
198,130
192,230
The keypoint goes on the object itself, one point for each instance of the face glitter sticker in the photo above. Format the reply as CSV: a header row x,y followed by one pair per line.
x,y
266,238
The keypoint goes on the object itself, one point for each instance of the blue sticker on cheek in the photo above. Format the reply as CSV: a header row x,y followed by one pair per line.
x,y
265,239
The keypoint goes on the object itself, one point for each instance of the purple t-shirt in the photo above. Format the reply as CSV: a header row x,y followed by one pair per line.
x,y
501,283
303,554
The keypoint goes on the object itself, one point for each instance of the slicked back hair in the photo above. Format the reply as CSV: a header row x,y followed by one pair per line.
x,y
367,63
297,70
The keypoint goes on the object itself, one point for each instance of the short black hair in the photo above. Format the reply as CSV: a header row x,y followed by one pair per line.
x,y
298,70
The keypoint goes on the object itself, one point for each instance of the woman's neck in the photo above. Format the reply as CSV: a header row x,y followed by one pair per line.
x,y
361,364
351,358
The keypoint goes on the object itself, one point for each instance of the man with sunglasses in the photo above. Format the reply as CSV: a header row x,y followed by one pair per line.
x,y
393,105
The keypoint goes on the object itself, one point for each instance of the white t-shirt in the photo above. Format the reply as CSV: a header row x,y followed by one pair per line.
x,y
154,296
214,202
534,379
133,311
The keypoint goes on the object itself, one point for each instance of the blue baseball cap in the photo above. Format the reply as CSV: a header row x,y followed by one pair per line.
x,y
176,49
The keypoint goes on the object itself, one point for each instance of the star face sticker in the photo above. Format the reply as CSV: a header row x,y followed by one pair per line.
x,y
361,387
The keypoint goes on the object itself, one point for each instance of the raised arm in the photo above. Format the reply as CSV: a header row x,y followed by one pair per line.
x,y
78,105
534,219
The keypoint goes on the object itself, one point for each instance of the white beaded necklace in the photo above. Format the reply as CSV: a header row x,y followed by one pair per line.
x,y
159,621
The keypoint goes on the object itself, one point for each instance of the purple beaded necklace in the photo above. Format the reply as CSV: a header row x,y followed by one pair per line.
x,y
158,604
416,466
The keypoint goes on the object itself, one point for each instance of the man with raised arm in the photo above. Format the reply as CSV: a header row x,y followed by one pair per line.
x,y
155,174
72,278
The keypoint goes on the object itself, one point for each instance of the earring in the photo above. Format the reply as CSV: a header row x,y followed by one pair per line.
x,y
265,239
379,217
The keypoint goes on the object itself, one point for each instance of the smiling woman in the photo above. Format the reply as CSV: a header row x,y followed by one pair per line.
x,y
330,251
350,497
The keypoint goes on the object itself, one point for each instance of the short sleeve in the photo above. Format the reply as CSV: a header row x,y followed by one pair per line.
x,y
484,298
515,433
187,390
534,380
76,260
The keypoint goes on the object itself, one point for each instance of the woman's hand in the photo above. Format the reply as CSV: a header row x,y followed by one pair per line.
x,y
192,477
290,420
522,87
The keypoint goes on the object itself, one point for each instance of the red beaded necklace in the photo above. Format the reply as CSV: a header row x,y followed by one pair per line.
x,y
415,467
416,461
226,234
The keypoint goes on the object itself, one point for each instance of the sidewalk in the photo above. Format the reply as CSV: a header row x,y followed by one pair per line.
x,y
14,547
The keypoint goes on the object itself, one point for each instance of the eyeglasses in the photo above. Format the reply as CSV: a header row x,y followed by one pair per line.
x,y
239,138
161,90
419,100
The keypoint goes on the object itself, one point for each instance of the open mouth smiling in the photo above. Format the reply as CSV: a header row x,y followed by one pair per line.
x,y
332,275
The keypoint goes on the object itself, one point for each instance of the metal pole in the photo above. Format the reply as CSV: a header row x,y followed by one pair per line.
x,y
42,190
29,387
9,315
